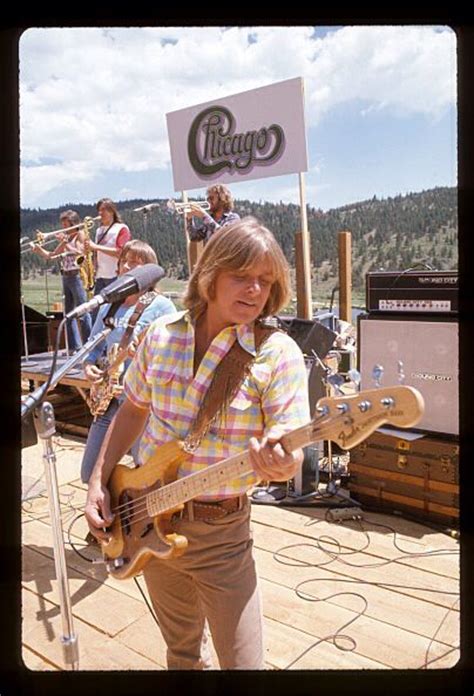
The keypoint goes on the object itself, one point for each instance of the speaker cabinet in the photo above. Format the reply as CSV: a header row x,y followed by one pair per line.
x,y
36,326
428,349
55,319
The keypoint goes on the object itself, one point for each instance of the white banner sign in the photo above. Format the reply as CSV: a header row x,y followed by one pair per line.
x,y
251,135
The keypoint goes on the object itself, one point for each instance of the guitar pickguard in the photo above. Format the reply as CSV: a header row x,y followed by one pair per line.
x,y
137,536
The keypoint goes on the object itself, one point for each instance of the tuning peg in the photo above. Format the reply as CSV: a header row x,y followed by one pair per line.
x,y
336,380
377,374
401,372
354,376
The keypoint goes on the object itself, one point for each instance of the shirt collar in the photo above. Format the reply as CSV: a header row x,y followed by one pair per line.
x,y
243,333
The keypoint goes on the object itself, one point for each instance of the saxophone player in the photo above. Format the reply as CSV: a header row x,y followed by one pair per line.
x,y
110,238
70,246
132,317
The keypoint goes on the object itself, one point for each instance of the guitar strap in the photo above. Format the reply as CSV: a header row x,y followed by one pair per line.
x,y
104,234
226,380
143,301
98,241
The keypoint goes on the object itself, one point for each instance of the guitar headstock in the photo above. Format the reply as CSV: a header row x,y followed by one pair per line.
x,y
348,420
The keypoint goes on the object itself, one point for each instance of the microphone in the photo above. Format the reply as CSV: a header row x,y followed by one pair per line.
x,y
137,280
146,208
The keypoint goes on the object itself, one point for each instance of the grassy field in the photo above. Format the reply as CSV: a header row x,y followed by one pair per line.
x,y
42,292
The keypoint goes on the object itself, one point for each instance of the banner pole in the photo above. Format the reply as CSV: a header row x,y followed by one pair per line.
x,y
303,283
345,276
194,249
184,197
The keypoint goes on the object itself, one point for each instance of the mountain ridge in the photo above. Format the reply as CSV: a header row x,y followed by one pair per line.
x,y
393,233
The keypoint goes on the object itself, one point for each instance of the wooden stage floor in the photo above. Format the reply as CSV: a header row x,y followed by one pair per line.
x,y
377,593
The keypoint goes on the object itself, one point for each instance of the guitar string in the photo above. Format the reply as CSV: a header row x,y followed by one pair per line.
x,y
138,506
143,498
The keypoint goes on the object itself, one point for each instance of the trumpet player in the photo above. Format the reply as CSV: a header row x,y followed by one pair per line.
x,y
220,213
70,246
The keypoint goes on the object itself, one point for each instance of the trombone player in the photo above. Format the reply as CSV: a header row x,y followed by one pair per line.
x,y
69,248
220,213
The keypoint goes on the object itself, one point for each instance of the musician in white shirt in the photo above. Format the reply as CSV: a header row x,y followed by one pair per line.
x,y
110,238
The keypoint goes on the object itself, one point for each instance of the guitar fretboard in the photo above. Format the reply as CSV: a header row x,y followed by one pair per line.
x,y
189,487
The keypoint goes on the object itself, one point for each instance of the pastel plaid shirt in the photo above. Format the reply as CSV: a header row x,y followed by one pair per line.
x,y
272,399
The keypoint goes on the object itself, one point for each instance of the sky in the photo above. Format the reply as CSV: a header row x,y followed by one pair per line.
x,y
380,108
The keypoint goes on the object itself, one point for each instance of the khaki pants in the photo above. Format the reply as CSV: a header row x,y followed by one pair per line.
x,y
213,584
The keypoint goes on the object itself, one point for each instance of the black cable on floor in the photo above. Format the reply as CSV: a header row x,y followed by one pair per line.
x,y
334,637
337,556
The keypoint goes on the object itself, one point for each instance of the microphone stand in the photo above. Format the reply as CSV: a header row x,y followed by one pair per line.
x,y
66,337
327,371
45,425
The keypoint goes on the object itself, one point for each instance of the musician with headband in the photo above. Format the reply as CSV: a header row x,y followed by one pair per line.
x,y
220,213
70,247
218,353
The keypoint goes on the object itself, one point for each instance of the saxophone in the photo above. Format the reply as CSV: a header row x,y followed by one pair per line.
x,y
86,262
101,393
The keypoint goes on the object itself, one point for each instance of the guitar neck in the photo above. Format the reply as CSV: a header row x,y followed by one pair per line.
x,y
189,487
346,420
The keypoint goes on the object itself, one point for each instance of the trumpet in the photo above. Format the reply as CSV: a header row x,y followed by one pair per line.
x,y
31,243
79,258
47,237
181,208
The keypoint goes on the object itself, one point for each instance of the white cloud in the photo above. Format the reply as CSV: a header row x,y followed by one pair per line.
x,y
44,178
406,69
96,99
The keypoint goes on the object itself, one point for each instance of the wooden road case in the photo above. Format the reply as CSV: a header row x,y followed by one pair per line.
x,y
403,472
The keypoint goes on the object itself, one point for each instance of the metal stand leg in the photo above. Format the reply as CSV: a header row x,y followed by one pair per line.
x,y
46,428
66,339
46,287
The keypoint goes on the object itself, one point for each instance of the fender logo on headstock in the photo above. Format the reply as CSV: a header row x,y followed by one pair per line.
x,y
359,429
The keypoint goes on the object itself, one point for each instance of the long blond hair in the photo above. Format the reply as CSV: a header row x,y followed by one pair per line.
x,y
224,196
238,246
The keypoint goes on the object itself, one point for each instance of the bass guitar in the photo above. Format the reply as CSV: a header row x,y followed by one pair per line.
x,y
144,499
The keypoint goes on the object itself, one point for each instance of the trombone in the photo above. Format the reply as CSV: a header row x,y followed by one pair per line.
x,y
48,237
185,206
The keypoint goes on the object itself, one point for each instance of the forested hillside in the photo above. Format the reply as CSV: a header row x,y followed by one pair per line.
x,y
393,233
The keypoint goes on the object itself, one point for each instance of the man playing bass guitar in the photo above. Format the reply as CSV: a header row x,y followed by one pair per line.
x,y
241,277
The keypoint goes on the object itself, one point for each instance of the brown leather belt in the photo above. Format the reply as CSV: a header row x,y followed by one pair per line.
x,y
73,271
211,510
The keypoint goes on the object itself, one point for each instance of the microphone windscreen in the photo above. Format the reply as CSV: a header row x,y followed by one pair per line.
x,y
147,276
